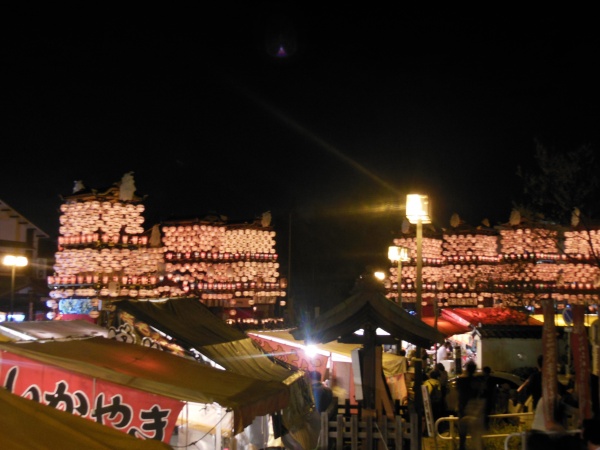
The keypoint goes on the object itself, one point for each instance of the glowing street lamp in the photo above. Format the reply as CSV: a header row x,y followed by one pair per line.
x,y
417,212
399,255
14,262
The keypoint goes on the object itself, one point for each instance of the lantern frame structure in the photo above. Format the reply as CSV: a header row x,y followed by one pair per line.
x,y
398,254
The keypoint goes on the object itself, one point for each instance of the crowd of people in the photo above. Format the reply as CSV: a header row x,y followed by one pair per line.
x,y
477,398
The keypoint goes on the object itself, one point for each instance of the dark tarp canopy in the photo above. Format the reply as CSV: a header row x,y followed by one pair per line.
x,y
185,319
27,424
369,308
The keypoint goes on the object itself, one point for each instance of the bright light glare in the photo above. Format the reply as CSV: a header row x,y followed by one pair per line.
x,y
16,317
379,275
417,208
310,351
17,334
396,253
17,261
379,331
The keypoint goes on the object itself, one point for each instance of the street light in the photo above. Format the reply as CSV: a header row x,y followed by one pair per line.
x,y
417,212
14,262
399,255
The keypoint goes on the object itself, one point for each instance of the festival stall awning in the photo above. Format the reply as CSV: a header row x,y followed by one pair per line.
x,y
27,424
559,319
281,341
193,326
150,370
284,346
447,327
496,322
187,323
52,329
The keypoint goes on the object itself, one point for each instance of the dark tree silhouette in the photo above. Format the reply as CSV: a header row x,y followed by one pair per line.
x,y
562,182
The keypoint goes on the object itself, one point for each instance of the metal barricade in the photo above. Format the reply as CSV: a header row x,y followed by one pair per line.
x,y
524,424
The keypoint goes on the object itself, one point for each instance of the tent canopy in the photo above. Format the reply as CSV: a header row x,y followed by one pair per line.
x,y
185,319
28,424
496,322
369,308
192,325
53,329
447,327
159,372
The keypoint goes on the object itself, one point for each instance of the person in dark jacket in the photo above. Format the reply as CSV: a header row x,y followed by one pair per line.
x,y
489,394
533,384
471,407
323,394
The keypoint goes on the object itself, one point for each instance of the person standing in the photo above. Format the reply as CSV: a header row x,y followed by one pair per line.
x,y
532,386
591,433
471,407
443,383
489,395
434,388
444,352
323,394
395,373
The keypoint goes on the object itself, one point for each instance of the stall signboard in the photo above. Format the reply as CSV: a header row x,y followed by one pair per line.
x,y
135,412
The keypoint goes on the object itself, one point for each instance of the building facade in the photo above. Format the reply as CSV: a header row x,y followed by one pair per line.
x,y
20,237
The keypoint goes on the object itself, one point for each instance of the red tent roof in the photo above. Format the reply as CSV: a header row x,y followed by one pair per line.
x,y
489,316
445,326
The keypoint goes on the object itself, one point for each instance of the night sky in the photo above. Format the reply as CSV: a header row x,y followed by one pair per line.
x,y
326,116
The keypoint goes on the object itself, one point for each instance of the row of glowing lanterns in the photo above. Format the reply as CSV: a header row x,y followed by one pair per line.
x,y
536,273
264,238
499,285
96,205
510,245
118,292
199,277
226,256
131,238
507,257
229,269
281,284
103,279
111,229
208,230
252,238
249,321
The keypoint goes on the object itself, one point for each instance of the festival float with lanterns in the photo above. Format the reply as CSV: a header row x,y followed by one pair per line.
x,y
105,254
517,264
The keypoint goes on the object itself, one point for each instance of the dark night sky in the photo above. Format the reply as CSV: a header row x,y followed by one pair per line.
x,y
366,106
